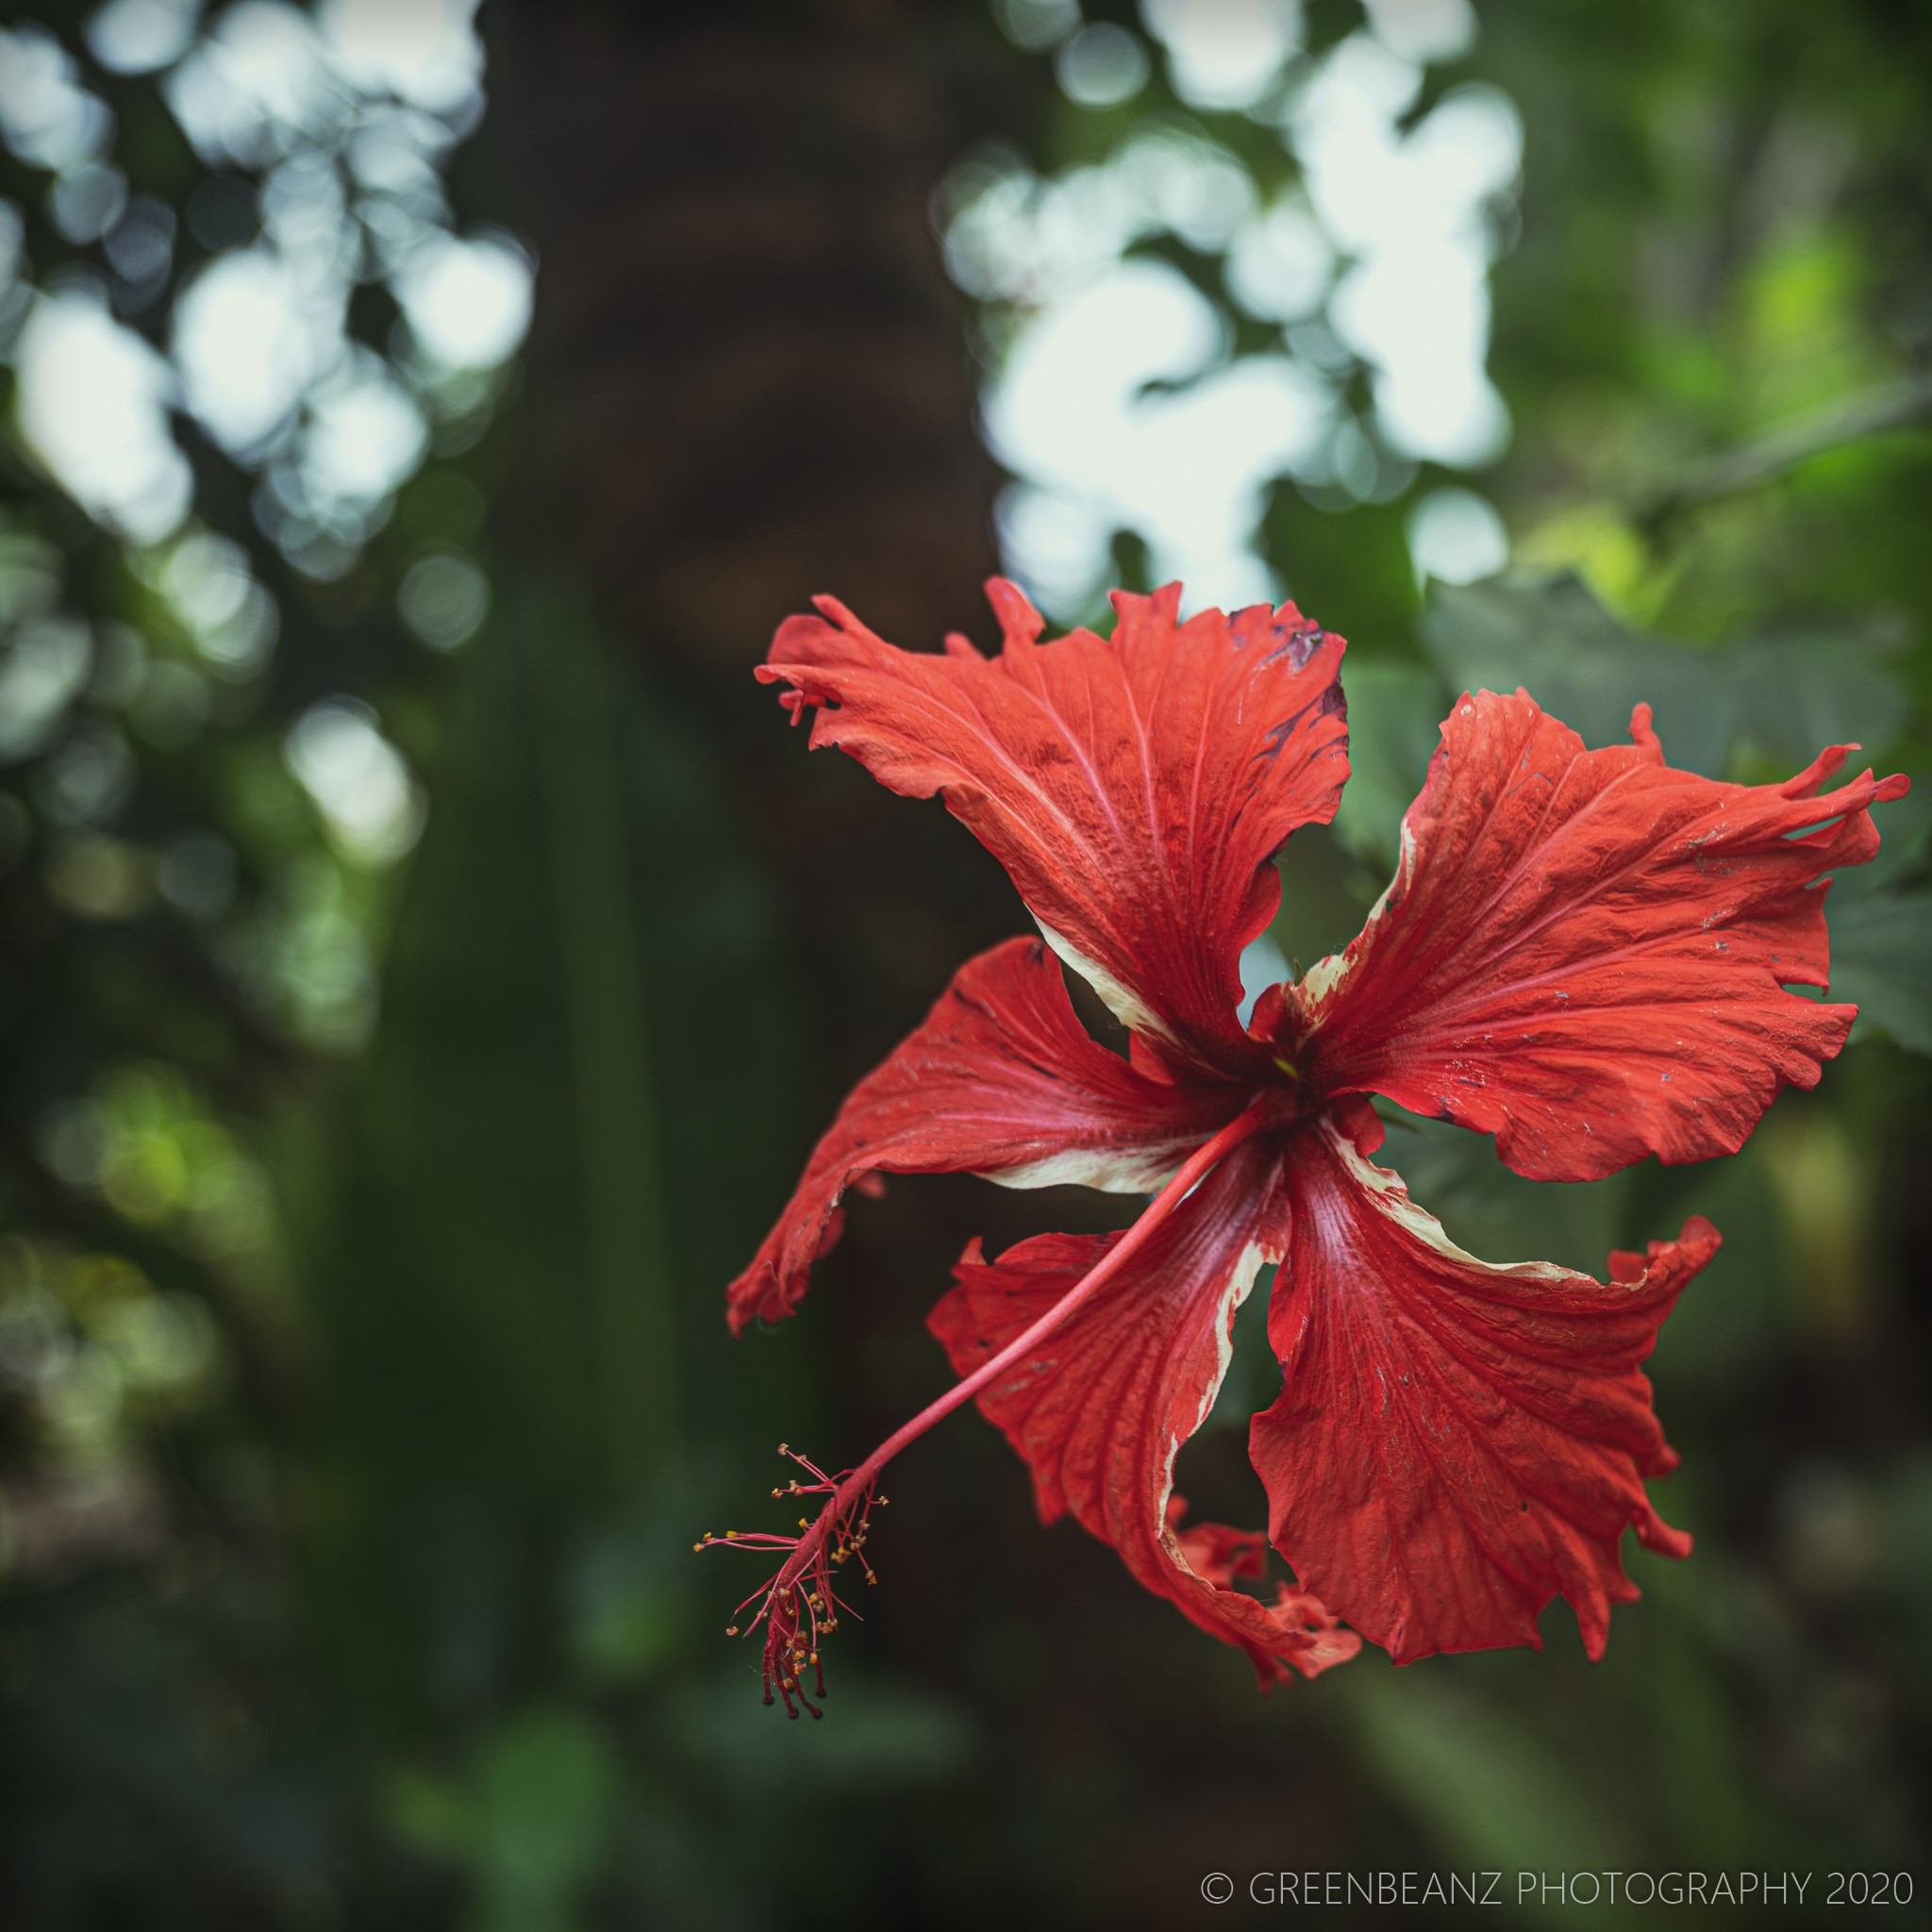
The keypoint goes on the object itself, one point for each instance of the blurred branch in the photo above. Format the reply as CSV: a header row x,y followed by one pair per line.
x,y
1895,405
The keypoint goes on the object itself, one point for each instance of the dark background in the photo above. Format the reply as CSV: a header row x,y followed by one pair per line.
x,y
364,1379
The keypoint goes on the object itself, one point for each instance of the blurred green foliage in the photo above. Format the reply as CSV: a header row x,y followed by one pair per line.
x,y
361,1379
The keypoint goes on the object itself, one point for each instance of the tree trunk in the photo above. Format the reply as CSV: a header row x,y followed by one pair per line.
x,y
747,380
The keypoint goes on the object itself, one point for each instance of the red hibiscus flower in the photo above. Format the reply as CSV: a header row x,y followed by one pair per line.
x,y
1584,953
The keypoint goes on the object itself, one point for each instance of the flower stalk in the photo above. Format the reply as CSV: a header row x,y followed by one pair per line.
x,y
800,1604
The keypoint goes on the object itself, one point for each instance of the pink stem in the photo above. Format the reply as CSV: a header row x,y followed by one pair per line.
x,y
1257,1115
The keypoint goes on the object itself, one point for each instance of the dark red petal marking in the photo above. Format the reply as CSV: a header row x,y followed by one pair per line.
x,y
1100,1408
1001,1080
1585,952
1455,1444
1136,788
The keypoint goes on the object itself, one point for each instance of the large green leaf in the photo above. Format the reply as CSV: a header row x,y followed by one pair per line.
x,y
1881,960
1881,928
1395,713
1766,700
1783,697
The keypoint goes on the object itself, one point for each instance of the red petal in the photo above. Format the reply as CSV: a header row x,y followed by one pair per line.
x,y
1455,1444
1000,1080
1101,1408
1135,788
1585,952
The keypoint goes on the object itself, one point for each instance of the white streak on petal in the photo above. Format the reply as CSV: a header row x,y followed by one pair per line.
x,y
1125,1005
